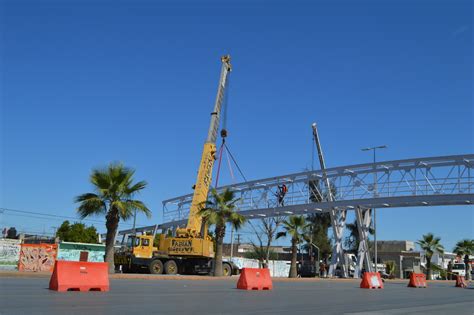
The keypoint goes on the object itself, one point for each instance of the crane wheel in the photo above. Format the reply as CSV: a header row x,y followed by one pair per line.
x,y
226,270
156,267
171,268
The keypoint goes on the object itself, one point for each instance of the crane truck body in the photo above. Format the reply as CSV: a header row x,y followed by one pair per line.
x,y
191,249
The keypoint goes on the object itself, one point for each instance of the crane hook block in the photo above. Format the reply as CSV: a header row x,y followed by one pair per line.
x,y
224,133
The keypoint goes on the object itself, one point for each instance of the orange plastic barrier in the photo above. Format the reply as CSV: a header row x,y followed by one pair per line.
x,y
79,276
255,279
417,280
461,282
371,280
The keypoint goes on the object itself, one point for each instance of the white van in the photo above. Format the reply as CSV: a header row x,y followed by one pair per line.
x,y
459,269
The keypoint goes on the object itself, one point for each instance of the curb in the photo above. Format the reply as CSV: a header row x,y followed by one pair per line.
x,y
17,274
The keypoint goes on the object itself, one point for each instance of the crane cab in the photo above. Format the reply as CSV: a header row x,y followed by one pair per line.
x,y
141,246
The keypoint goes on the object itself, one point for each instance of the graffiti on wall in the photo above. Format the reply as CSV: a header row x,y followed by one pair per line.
x,y
9,251
72,251
74,254
37,257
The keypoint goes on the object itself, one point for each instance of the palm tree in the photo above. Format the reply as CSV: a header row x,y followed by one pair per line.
x,y
465,248
113,196
296,228
219,211
430,245
390,268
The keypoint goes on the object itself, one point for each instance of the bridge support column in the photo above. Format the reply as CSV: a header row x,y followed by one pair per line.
x,y
363,218
338,221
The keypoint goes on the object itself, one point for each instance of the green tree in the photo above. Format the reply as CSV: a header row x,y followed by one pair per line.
x,y
465,248
318,234
218,211
430,245
352,241
77,232
113,197
320,222
296,228
12,233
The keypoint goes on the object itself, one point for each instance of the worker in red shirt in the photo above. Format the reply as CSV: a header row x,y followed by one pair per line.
x,y
282,190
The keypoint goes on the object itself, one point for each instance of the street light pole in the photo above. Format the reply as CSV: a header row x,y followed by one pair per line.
x,y
374,149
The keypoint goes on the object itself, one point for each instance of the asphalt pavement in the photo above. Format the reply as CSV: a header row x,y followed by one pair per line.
x,y
127,296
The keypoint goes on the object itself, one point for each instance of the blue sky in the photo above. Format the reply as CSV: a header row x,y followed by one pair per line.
x,y
84,83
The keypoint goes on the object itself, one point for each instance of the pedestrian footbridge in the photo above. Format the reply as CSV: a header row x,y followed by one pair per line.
x,y
429,181
418,182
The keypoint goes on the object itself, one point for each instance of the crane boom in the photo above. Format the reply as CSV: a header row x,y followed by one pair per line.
x,y
203,181
321,161
338,221
215,115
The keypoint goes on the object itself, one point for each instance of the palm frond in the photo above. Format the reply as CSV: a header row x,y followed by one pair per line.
x,y
123,209
430,244
296,227
85,197
115,188
140,207
237,220
464,247
101,180
90,204
136,188
219,209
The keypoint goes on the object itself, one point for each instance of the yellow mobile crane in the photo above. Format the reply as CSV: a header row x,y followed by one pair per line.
x,y
190,250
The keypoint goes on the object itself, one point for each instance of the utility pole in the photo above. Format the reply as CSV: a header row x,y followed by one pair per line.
x,y
1,217
231,242
238,242
134,222
374,149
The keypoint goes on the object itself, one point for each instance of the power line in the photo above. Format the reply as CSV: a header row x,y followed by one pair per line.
x,y
52,216
36,233
31,216
47,216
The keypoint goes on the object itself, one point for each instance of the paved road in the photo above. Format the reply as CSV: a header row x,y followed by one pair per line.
x,y
31,296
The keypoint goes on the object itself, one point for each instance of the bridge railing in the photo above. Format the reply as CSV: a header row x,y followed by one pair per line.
x,y
445,175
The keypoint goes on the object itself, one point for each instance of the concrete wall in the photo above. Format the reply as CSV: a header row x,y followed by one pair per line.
x,y
395,246
72,251
9,254
41,257
37,257
278,268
